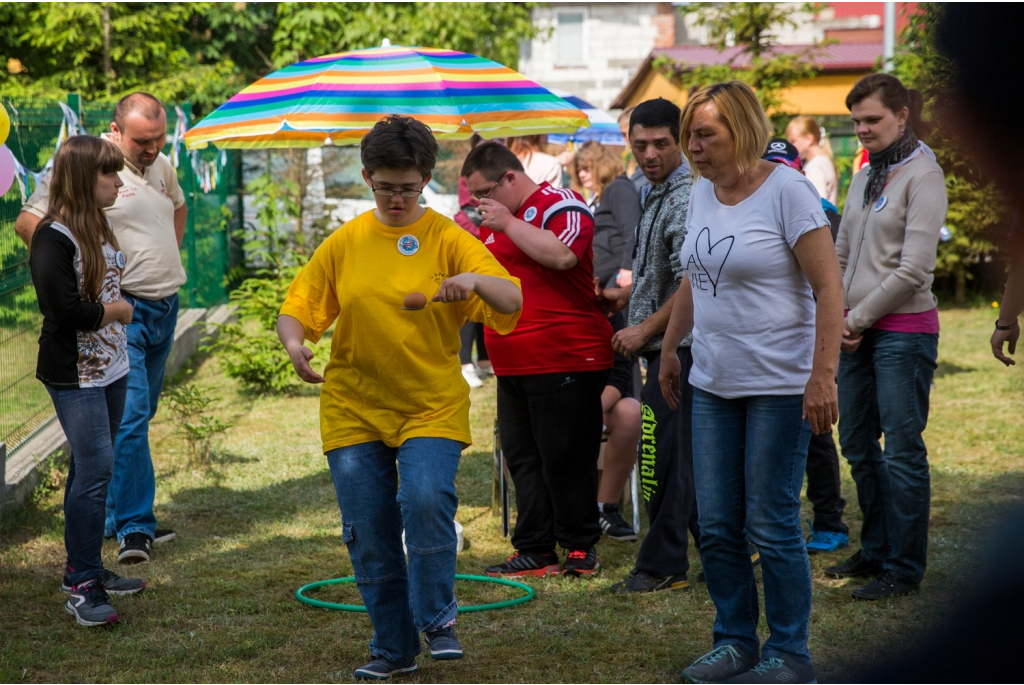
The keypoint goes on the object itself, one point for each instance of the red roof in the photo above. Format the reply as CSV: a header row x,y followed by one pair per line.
x,y
841,56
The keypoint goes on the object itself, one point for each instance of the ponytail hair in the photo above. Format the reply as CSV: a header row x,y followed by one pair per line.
x,y
803,124
894,96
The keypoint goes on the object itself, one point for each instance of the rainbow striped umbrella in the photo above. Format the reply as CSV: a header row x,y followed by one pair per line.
x,y
336,100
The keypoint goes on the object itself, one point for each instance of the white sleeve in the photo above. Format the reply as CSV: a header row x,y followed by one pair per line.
x,y
800,207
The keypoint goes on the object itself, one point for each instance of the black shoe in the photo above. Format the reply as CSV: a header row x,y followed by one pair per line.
x,y
854,567
162,535
112,583
755,559
444,644
885,584
135,548
528,564
776,670
380,668
642,581
613,525
581,562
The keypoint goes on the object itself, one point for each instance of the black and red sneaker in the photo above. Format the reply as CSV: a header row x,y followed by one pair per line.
x,y
581,562
527,564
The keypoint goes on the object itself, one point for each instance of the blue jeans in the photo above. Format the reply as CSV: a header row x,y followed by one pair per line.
x,y
131,492
90,418
402,600
883,390
749,456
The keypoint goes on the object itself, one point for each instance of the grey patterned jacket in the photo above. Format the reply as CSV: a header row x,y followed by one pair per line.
x,y
659,238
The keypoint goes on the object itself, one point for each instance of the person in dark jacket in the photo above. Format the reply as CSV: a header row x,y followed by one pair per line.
x,y
76,269
616,206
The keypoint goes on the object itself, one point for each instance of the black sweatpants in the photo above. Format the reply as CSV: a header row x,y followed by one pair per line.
x,y
666,473
550,428
823,484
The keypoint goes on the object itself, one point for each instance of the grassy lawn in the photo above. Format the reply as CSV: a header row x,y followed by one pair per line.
x,y
262,520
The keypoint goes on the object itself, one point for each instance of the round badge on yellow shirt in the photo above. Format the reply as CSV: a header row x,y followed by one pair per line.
x,y
408,245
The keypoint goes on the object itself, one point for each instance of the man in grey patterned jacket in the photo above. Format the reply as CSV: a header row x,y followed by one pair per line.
x,y
664,452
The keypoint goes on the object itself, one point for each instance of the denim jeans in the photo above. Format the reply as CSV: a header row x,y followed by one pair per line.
x,y
131,492
402,600
90,418
749,456
883,390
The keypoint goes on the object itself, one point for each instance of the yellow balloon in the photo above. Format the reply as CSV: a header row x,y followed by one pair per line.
x,y
5,125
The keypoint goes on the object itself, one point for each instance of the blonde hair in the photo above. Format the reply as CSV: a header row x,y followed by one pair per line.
x,y
604,164
743,116
803,124
523,147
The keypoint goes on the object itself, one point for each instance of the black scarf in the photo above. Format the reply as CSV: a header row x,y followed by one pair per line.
x,y
881,161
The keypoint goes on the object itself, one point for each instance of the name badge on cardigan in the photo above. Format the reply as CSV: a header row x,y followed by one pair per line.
x,y
881,203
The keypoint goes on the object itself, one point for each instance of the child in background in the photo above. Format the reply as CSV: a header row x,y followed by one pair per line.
x,y
394,403
83,356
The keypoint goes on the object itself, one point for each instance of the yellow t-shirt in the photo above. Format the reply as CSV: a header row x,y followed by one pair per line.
x,y
394,374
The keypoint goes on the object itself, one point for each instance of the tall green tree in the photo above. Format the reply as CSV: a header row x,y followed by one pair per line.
x,y
753,27
976,209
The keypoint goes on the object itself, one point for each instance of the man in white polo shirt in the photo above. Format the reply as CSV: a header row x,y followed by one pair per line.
x,y
148,219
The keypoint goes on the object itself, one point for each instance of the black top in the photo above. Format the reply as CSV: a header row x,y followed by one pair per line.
x,y
56,280
615,220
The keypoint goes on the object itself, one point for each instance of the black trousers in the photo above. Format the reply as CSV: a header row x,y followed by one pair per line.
x,y
550,429
470,331
666,473
823,484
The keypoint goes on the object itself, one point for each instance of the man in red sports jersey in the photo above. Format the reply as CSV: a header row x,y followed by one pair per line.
x,y
551,369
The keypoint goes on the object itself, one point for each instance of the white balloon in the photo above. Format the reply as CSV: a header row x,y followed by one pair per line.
x,y
6,170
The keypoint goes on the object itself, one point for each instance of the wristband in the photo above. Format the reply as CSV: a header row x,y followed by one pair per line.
x,y
1006,328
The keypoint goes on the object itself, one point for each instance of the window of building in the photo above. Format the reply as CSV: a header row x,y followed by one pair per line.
x,y
570,39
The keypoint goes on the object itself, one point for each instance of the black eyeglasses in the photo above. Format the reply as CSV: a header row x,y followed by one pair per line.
x,y
487,195
387,192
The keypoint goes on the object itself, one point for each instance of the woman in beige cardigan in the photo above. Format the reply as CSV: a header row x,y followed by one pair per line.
x,y
886,245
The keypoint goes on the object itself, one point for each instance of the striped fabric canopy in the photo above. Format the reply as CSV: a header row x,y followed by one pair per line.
x,y
336,99
602,128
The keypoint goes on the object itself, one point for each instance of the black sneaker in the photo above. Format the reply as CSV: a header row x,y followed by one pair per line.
x,y
613,525
112,583
885,584
382,669
162,535
641,581
444,644
854,567
719,665
527,564
581,562
135,548
777,670
90,605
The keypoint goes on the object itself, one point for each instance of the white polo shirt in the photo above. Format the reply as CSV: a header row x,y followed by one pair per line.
x,y
143,222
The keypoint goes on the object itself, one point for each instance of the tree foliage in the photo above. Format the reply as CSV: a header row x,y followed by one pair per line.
x,y
753,27
975,207
206,52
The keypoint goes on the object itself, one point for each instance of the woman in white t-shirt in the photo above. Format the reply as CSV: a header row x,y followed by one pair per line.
x,y
539,165
804,134
758,251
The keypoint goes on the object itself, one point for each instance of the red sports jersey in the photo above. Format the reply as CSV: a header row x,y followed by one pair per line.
x,y
561,328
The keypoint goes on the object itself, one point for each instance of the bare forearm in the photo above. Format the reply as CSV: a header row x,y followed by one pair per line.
x,y
542,246
1013,294
680,321
25,226
290,332
500,295
658,321
180,217
828,330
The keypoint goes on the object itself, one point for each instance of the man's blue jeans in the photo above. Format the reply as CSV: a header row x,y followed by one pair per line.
x,y
131,492
90,418
402,600
883,389
749,456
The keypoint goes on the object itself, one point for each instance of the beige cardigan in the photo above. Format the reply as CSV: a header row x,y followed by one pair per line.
x,y
887,256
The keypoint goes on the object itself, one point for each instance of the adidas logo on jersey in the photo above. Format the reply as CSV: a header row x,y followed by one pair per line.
x,y
490,239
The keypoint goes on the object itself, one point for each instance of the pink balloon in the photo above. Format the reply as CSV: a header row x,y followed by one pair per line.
x,y
6,170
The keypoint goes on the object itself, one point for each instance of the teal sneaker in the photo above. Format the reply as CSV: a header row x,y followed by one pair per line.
x,y
776,670
822,541
719,665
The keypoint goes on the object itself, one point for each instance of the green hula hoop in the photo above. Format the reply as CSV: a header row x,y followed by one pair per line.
x,y
458,576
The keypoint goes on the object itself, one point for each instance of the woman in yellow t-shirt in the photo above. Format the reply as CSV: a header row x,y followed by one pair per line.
x,y
394,403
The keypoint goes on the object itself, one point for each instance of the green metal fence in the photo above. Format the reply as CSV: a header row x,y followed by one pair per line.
x,y
214,214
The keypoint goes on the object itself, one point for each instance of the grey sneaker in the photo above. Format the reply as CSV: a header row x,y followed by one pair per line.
x,y
112,583
90,605
382,669
719,665
444,644
777,670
